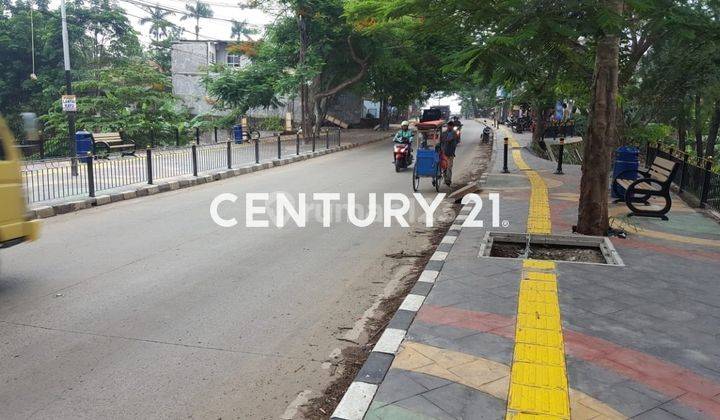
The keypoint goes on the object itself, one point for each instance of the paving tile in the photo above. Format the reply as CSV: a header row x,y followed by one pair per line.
x,y
462,402
428,381
437,336
683,411
626,400
419,404
488,346
398,385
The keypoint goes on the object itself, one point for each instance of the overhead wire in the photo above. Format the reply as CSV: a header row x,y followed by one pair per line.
x,y
141,3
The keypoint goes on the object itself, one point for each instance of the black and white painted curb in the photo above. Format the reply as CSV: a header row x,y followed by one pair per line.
x,y
361,392
50,210
359,395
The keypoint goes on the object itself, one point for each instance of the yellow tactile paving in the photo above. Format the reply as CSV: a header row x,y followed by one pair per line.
x,y
538,378
493,379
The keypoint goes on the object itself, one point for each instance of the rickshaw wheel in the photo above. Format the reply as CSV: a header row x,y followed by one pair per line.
x,y
415,180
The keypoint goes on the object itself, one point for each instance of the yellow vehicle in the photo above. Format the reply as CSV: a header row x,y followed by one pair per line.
x,y
14,226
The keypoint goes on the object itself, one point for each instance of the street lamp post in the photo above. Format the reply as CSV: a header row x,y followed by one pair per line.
x,y
68,88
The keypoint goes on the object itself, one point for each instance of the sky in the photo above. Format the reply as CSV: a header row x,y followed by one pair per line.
x,y
219,27
453,101
215,28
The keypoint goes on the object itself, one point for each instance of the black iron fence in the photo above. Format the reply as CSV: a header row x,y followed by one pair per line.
x,y
53,148
56,179
695,179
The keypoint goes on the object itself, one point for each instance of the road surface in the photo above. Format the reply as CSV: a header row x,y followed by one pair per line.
x,y
147,309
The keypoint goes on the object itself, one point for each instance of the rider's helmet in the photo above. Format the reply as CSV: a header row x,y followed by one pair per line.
x,y
404,124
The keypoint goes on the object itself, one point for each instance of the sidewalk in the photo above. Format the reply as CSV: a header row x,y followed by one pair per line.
x,y
591,341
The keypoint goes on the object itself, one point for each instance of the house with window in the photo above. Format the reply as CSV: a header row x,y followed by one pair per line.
x,y
190,60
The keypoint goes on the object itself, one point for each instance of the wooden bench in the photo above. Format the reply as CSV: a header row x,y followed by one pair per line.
x,y
29,148
113,142
655,182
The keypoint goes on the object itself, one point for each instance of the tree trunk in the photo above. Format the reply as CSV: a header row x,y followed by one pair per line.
x,y
682,129
474,105
698,127
601,134
384,117
305,122
539,124
320,109
713,132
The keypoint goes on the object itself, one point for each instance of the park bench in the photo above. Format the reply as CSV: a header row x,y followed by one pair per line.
x,y
113,142
29,148
655,182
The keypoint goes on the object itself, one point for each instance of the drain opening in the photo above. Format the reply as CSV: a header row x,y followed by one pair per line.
x,y
569,248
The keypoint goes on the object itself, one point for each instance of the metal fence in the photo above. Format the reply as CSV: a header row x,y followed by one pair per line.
x,y
57,179
695,177
51,149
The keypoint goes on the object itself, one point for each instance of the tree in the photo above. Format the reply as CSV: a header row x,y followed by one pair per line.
x,y
158,20
99,33
132,96
197,11
602,129
241,30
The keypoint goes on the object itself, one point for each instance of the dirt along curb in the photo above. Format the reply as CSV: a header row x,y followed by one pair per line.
x,y
50,210
365,366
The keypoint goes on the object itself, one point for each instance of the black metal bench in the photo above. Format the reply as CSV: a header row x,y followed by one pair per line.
x,y
655,182
29,148
107,143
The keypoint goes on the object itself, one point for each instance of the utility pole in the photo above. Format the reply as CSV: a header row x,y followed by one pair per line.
x,y
68,88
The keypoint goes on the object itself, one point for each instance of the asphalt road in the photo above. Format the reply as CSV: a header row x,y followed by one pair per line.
x,y
147,309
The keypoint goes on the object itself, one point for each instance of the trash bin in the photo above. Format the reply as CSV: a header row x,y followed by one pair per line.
x,y
626,158
83,145
238,133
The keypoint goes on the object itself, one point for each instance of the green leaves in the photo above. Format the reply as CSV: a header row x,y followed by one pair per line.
x,y
131,96
242,89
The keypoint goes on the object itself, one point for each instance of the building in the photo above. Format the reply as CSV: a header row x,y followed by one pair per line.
x,y
192,58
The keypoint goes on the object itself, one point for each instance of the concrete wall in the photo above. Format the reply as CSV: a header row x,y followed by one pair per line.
x,y
189,63
190,60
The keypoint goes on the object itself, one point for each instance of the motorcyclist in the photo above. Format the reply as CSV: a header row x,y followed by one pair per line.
x,y
404,136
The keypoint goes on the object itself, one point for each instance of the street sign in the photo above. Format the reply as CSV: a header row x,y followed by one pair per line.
x,y
69,103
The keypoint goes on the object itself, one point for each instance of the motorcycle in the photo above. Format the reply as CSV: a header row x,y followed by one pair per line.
x,y
458,132
403,156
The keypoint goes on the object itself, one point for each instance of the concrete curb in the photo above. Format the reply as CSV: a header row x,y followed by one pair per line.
x,y
359,395
43,212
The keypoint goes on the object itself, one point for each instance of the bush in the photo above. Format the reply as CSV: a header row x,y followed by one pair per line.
x,y
650,133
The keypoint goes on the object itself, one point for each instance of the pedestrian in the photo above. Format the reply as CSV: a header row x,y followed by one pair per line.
x,y
449,144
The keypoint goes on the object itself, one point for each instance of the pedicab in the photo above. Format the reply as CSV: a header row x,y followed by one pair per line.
x,y
430,161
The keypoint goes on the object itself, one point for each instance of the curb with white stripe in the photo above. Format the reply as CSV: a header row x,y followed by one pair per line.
x,y
357,399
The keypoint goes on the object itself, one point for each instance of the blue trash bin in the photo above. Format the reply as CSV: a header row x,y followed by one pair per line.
x,y
626,158
238,133
83,145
